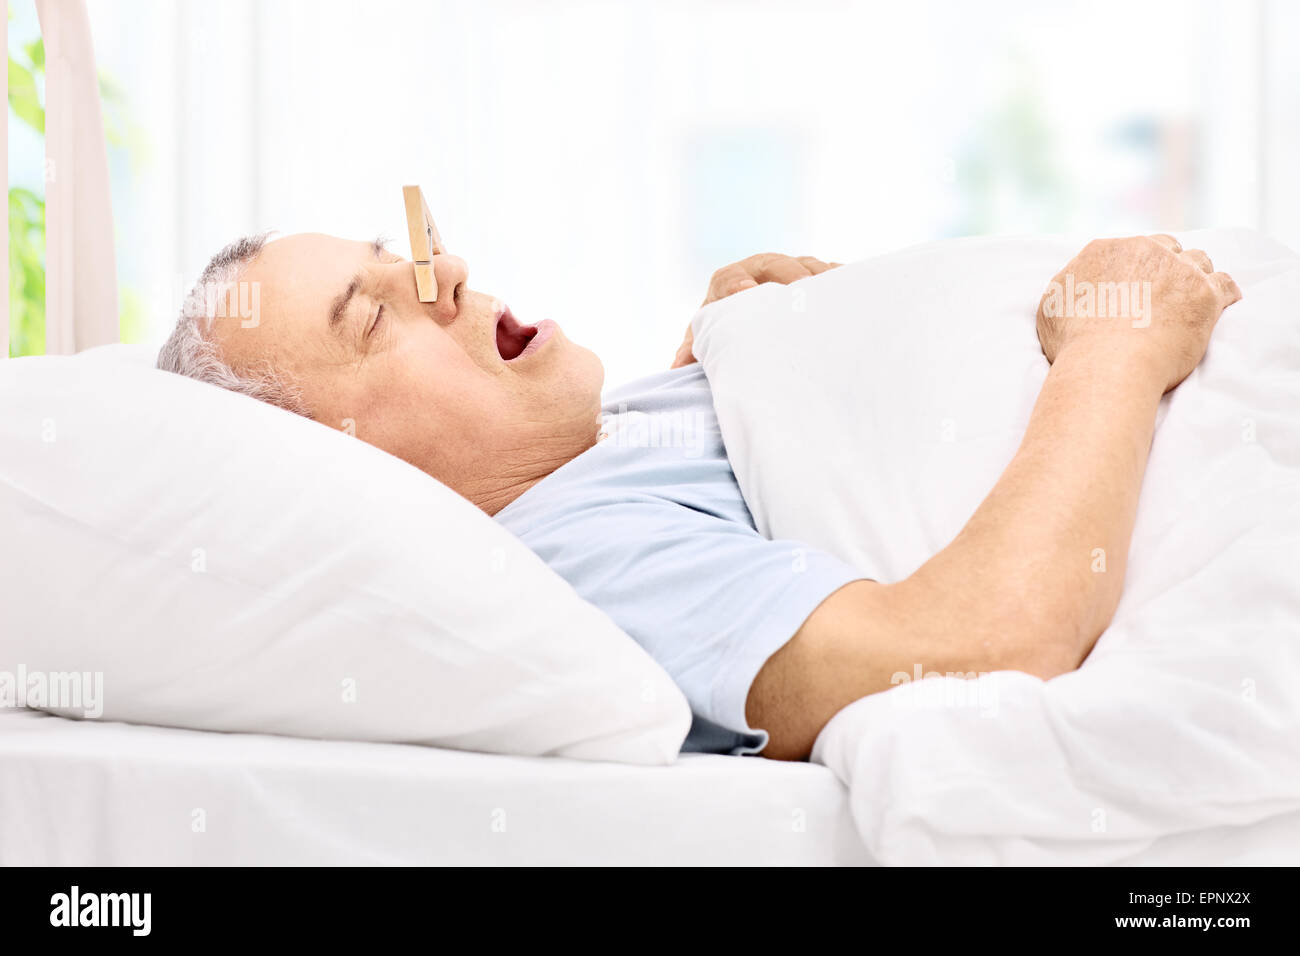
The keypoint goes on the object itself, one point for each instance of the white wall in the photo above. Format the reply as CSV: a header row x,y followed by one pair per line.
x,y
595,161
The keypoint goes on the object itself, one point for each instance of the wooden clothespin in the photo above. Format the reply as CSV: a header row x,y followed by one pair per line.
x,y
425,242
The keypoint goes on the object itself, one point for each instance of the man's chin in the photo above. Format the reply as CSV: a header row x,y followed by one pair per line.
x,y
595,368
581,376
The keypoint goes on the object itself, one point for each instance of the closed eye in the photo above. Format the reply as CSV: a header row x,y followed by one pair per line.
x,y
379,316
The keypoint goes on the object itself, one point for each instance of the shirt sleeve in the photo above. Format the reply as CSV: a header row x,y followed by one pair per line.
x,y
709,598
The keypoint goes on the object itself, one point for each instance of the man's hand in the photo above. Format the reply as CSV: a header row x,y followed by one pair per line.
x,y
746,274
1145,299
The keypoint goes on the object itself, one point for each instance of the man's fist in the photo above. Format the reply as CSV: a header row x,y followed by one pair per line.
x,y
746,274
1144,297
764,267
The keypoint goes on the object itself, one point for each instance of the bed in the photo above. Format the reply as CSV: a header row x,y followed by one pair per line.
x,y
81,793
108,794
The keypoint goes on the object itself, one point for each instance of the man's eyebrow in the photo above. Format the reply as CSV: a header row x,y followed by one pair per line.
x,y
340,306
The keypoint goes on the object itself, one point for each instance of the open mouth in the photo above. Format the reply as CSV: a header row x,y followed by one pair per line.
x,y
512,336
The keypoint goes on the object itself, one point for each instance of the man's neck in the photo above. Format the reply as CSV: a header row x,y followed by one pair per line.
x,y
510,480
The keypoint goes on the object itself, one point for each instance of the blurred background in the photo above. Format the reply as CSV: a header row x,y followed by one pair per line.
x,y
596,161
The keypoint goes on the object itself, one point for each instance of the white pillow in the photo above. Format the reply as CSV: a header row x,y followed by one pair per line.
x,y
230,566
869,411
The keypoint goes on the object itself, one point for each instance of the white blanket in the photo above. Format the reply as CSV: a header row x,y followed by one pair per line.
x,y
869,410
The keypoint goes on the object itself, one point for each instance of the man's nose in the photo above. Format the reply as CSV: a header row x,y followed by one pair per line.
x,y
451,272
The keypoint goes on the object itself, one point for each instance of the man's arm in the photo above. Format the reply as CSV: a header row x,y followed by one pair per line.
x,y
1016,589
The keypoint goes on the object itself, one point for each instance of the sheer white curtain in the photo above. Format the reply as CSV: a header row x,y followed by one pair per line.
x,y
81,308
595,161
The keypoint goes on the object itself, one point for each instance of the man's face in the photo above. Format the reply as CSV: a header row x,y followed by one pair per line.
x,y
457,387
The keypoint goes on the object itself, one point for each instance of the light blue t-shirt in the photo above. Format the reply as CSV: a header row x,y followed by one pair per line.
x,y
649,525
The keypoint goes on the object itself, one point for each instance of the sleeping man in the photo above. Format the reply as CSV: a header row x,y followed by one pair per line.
x,y
766,647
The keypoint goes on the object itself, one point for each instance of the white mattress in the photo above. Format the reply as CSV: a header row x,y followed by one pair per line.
x,y
87,793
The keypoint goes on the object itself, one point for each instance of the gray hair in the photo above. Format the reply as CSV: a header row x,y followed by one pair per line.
x,y
190,350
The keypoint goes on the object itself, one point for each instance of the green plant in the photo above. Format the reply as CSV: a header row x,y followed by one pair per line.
x,y
27,216
27,209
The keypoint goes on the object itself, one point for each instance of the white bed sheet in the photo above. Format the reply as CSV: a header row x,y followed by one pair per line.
x,y
1185,716
87,793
